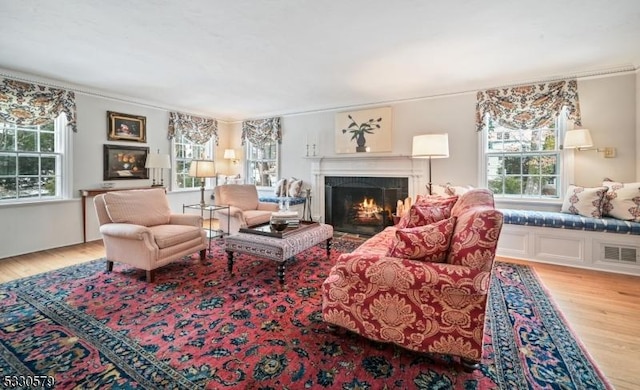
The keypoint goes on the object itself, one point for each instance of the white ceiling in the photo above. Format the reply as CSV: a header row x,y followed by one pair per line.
x,y
240,59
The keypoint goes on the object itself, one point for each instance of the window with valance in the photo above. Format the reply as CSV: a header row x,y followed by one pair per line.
x,y
34,141
528,106
31,104
521,131
192,137
262,138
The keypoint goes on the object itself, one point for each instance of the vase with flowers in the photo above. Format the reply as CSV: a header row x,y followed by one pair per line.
x,y
358,131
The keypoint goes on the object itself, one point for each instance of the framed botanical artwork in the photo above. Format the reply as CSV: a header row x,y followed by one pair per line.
x,y
363,131
125,127
125,162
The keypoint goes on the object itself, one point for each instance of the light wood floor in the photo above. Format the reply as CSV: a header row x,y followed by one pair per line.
x,y
602,308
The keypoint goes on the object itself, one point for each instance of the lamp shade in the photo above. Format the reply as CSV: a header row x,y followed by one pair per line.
x,y
202,168
229,154
158,161
579,138
430,146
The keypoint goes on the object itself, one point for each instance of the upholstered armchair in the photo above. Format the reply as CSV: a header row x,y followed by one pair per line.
x,y
138,229
424,306
245,209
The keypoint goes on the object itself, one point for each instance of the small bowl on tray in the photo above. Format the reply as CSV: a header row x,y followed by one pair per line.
x,y
278,225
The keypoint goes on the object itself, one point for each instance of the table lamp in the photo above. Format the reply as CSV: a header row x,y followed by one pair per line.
x,y
157,162
202,169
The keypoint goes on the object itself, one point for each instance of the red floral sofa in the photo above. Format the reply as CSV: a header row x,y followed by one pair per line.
x,y
418,304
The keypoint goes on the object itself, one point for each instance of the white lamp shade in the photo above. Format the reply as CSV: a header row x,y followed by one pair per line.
x,y
202,168
229,154
158,161
430,146
579,138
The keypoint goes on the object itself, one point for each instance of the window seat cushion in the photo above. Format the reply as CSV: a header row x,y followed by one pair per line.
x,y
275,199
569,221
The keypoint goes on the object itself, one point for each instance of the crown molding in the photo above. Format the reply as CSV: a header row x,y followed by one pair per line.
x,y
589,74
29,78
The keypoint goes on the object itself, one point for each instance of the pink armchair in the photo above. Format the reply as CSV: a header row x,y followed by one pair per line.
x,y
419,305
245,208
138,229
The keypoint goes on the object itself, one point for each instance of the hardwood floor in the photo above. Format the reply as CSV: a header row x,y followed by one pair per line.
x,y
602,308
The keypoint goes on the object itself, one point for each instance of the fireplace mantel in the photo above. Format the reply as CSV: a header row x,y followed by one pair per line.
x,y
375,165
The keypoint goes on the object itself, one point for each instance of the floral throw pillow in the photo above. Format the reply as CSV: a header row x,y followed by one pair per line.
x,y
425,243
584,201
622,201
427,210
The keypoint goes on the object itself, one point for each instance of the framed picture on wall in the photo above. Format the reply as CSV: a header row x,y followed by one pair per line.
x,y
363,131
125,127
125,162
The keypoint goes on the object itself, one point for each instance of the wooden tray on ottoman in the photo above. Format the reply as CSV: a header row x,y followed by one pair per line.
x,y
266,230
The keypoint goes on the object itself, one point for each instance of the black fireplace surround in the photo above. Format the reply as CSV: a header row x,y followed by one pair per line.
x,y
362,205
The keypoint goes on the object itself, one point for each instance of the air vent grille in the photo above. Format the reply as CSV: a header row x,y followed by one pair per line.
x,y
621,254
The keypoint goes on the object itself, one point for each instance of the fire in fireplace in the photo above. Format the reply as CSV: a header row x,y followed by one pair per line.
x,y
362,204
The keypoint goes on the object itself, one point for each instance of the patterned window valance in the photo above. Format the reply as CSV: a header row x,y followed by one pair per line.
x,y
261,131
195,129
529,106
31,104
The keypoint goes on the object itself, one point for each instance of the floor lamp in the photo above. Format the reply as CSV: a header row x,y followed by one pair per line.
x,y
202,169
430,146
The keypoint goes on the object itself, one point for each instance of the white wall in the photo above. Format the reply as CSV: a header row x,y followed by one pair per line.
x,y
610,109
608,106
33,227
638,125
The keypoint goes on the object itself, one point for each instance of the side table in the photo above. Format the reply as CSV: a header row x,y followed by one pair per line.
x,y
212,233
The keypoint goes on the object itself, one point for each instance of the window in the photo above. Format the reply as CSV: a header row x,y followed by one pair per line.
x,y
32,160
262,164
184,151
524,163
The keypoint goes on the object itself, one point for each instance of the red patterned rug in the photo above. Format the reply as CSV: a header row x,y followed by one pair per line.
x,y
199,327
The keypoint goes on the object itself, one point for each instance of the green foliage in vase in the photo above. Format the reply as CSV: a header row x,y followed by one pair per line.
x,y
359,130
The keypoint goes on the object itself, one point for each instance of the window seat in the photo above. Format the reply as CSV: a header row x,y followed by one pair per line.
x,y
276,199
569,221
295,203
605,244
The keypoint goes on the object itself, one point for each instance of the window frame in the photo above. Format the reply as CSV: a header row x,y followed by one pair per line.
x,y
248,162
63,161
208,150
564,164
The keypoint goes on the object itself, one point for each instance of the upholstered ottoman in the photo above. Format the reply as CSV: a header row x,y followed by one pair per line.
x,y
278,249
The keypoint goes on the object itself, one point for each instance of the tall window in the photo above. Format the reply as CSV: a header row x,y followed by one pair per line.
x,y
32,160
262,164
524,163
184,151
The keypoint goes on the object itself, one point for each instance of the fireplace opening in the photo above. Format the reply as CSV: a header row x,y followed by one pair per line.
x,y
362,205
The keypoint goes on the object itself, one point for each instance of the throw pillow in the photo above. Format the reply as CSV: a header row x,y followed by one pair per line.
x,y
622,201
427,210
425,243
281,187
584,201
295,188
457,190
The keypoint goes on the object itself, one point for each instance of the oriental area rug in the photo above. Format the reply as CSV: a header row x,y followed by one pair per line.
x,y
198,327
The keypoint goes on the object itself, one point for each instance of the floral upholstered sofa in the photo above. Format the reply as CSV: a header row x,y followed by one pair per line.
x,y
423,283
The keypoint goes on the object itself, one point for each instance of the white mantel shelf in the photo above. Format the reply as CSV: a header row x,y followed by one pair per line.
x,y
360,156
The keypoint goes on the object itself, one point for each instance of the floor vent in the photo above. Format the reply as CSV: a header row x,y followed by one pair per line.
x,y
621,254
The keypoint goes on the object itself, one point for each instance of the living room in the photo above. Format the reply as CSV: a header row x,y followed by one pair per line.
x,y
609,99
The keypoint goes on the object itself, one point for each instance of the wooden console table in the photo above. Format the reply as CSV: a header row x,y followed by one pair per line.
x,y
91,193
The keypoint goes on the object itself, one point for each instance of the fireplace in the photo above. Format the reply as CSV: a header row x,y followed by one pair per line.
x,y
362,205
